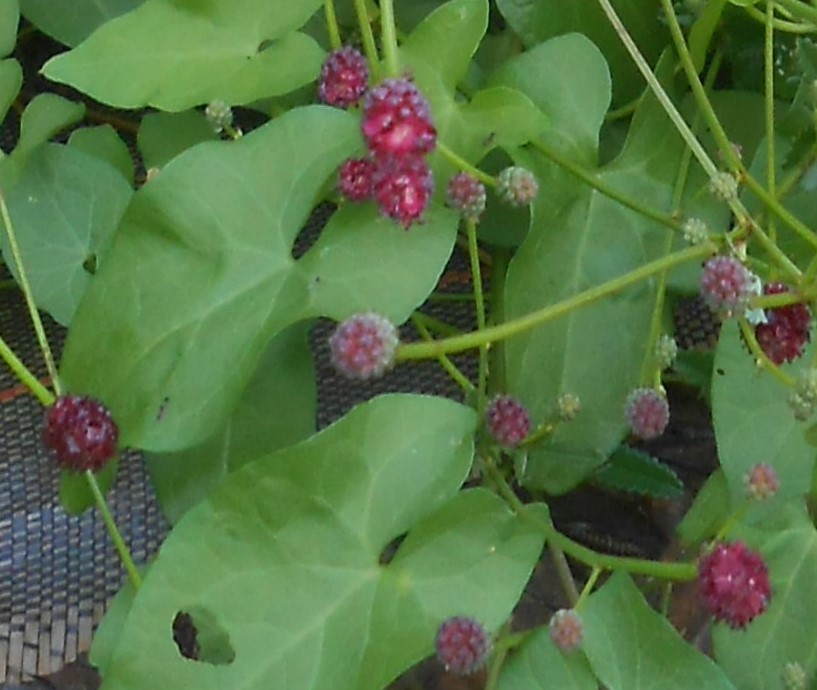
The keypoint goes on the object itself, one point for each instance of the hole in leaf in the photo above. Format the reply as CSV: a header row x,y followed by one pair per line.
x,y
200,637
387,554
90,264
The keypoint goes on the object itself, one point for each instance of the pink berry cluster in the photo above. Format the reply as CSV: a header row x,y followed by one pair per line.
x,y
463,645
467,195
727,285
507,420
399,133
566,630
761,481
733,583
647,413
81,433
344,78
787,329
364,346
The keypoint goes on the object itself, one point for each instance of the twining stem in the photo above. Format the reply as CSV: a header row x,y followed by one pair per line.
x,y
479,304
113,531
768,59
388,36
36,321
588,587
780,24
369,45
557,555
603,188
22,372
465,166
725,147
449,366
638,566
501,331
800,10
332,24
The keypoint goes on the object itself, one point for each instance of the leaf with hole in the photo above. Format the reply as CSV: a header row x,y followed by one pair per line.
x,y
285,556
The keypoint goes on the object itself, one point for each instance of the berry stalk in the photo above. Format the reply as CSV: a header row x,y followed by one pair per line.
x,y
369,45
116,536
464,165
514,327
479,303
21,371
36,321
332,24
388,37
636,566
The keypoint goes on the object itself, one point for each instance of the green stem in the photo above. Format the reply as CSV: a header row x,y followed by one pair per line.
x,y
332,24
768,59
607,190
638,566
436,325
557,555
369,45
469,341
800,10
388,36
36,321
465,166
497,662
479,304
497,382
780,24
588,587
23,373
449,366
727,150
113,530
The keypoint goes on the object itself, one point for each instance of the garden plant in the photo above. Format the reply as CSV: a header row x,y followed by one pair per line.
x,y
594,160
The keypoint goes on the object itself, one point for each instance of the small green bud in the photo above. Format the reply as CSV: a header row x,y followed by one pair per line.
x,y
666,350
219,115
569,406
794,676
724,186
695,231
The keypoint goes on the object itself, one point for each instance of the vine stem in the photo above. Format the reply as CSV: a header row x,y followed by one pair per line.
x,y
23,373
768,60
388,35
36,321
369,45
113,531
508,329
332,24
689,137
449,366
479,304
465,166
726,148
610,192
638,566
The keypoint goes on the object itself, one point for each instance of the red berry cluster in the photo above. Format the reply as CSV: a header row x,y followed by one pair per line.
x,y
507,420
81,433
399,132
466,194
462,645
787,329
734,584
344,78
